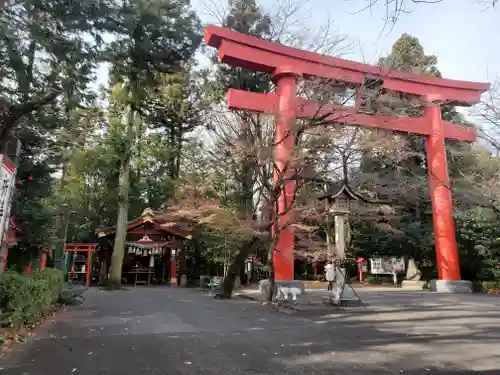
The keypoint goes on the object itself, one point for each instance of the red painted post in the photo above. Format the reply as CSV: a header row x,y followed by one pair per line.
x,y
43,261
27,269
360,262
286,81
442,210
173,263
89,265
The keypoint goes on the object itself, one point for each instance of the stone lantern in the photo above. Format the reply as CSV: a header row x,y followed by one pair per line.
x,y
338,199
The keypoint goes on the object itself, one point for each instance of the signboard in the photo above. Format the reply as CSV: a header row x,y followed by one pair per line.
x,y
7,184
387,265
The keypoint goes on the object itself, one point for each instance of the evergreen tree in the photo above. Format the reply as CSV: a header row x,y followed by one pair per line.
x,y
172,111
47,53
246,17
153,37
44,51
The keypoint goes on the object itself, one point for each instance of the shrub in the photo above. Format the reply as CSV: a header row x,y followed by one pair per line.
x,y
24,299
319,277
373,280
486,286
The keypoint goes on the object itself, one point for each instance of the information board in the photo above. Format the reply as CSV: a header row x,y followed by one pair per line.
x,y
387,265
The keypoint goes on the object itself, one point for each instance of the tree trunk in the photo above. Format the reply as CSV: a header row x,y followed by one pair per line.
x,y
270,264
228,282
65,171
178,152
172,147
348,236
121,227
62,233
121,221
6,125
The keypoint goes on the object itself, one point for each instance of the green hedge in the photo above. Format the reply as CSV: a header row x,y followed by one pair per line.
x,y
486,286
24,299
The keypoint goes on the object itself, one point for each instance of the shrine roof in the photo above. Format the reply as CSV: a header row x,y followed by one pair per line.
x,y
148,216
256,54
342,187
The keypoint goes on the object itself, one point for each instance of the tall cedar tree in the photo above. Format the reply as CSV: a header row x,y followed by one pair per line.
x,y
153,37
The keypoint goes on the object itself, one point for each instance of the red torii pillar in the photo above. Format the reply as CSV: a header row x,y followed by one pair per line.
x,y
27,268
43,260
286,88
448,263
286,64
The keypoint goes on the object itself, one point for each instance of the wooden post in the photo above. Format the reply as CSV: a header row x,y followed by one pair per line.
x,y
89,267
172,253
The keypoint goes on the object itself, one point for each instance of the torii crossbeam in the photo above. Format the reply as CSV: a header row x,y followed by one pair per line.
x,y
287,64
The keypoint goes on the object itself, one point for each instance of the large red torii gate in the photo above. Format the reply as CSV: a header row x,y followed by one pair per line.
x,y
287,64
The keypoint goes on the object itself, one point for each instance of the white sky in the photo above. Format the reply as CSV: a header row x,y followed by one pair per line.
x,y
460,33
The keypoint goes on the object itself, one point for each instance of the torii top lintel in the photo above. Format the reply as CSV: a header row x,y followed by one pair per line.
x,y
256,54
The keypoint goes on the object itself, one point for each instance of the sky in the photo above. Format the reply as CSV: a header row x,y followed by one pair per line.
x,y
461,33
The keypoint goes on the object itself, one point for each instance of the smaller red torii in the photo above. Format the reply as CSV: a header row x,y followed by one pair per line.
x,y
287,65
88,248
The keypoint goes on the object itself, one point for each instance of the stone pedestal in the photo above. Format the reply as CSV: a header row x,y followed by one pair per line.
x,y
237,282
342,293
413,275
347,293
451,286
204,281
183,281
413,284
412,271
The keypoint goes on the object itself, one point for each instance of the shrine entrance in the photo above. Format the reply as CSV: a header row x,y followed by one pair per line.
x,y
152,252
79,262
287,65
